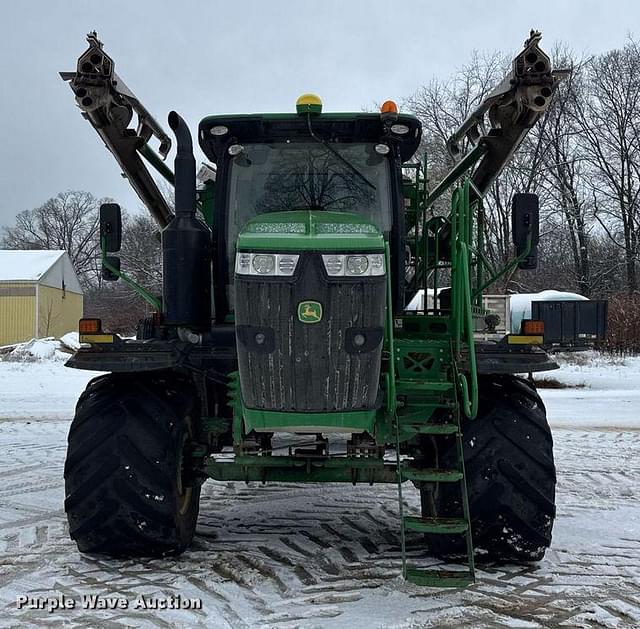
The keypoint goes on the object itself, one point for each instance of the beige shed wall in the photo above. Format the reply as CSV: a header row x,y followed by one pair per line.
x,y
17,312
59,311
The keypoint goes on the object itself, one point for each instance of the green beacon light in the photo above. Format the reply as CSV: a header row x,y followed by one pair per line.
x,y
309,104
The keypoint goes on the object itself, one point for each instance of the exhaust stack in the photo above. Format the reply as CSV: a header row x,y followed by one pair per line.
x,y
184,167
186,244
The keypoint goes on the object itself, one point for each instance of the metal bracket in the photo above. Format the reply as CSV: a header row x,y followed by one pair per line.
x,y
108,104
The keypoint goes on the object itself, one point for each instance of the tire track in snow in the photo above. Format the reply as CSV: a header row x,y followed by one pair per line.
x,y
278,556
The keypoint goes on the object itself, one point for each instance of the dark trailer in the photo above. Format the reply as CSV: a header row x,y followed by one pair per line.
x,y
571,323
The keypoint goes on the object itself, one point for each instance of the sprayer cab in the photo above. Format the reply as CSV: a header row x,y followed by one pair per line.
x,y
307,162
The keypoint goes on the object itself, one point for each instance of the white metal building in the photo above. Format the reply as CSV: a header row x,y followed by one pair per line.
x,y
40,295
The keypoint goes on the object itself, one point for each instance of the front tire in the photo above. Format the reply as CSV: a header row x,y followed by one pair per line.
x,y
127,474
510,472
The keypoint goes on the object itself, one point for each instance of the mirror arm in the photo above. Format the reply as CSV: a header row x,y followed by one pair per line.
x,y
145,294
507,269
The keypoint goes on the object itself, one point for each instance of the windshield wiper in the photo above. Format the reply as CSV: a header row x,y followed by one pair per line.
x,y
346,162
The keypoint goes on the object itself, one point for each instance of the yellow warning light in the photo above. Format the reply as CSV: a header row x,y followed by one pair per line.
x,y
309,104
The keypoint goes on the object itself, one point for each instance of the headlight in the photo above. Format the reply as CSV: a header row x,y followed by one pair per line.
x,y
362,265
268,264
357,265
334,264
264,263
287,264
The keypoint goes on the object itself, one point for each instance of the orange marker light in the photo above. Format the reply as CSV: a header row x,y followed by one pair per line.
x,y
389,107
532,326
89,326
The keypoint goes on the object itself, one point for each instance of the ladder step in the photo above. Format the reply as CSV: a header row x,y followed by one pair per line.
x,y
427,401
432,475
439,578
420,344
430,429
406,384
443,526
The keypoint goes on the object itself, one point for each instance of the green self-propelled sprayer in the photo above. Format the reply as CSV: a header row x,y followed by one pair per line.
x,y
310,287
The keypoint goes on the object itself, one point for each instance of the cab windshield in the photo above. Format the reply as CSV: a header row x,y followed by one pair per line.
x,y
308,176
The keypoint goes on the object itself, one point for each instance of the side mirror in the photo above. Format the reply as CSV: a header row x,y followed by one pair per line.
x,y
111,226
107,274
525,222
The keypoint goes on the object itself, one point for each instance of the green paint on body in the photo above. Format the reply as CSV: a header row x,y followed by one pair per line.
x,y
310,230
276,421
290,469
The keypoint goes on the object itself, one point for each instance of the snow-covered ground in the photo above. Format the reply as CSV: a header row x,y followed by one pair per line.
x,y
606,393
288,555
35,384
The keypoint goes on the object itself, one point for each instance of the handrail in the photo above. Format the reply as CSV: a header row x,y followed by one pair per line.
x,y
392,402
469,403
506,269
388,338
461,296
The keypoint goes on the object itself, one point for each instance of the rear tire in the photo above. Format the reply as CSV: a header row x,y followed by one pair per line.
x,y
128,491
511,477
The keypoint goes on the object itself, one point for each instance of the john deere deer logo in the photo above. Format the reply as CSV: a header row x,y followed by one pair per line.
x,y
309,311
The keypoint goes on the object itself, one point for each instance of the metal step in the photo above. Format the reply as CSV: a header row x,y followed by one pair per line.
x,y
439,578
442,526
425,407
430,429
427,396
431,475
413,385
421,345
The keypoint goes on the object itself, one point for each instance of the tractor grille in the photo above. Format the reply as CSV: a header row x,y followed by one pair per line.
x,y
315,367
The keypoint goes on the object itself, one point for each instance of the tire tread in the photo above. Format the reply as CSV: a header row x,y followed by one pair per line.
x,y
122,455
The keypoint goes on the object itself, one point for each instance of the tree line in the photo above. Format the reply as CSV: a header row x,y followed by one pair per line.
x,y
70,221
582,159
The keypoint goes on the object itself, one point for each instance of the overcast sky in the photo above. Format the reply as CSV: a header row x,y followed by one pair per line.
x,y
243,56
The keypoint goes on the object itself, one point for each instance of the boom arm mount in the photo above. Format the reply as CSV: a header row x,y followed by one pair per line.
x,y
493,132
108,104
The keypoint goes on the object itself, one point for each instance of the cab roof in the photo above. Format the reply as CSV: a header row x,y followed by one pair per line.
x,y
333,127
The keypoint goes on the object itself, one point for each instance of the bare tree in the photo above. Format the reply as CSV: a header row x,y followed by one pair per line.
x,y
582,159
141,252
67,221
563,172
442,106
119,305
70,221
608,118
